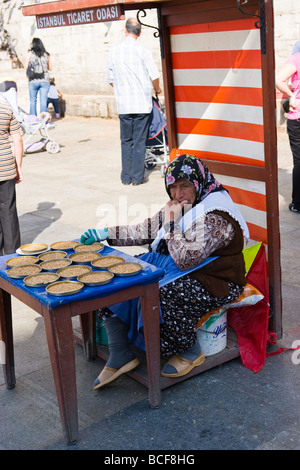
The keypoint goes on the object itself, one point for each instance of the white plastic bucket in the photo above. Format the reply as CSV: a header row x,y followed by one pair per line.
x,y
212,335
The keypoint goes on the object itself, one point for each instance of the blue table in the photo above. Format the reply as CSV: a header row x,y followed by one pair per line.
x,y
58,312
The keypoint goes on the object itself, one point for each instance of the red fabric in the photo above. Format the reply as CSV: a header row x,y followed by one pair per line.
x,y
251,322
272,338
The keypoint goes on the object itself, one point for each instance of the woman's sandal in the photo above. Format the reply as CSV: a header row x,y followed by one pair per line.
x,y
109,374
182,366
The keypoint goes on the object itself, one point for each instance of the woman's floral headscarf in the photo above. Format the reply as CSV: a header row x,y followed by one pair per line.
x,y
196,172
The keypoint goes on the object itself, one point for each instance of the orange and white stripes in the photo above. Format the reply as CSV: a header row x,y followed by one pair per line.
x,y
218,104
250,198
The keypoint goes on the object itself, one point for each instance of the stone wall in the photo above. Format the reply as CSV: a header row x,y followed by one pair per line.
x,y
79,53
287,28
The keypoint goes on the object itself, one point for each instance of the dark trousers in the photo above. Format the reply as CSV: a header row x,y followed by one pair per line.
x,y
134,132
10,238
55,102
293,128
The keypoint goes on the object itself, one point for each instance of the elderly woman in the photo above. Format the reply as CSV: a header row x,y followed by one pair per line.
x,y
198,238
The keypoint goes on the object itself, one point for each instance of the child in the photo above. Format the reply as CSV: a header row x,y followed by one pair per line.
x,y
53,97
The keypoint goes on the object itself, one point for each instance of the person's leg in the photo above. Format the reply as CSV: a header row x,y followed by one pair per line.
x,y
9,217
183,303
55,102
121,358
293,128
140,134
44,90
126,123
33,91
118,343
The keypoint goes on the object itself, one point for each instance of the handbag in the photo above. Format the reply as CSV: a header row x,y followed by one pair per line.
x,y
286,105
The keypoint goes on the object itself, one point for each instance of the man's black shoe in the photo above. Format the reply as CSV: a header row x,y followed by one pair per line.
x,y
293,208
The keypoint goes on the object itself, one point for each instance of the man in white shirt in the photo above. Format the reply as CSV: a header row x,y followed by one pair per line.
x,y
132,72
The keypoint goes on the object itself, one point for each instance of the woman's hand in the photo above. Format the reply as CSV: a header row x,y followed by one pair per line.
x,y
294,102
93,235
173,210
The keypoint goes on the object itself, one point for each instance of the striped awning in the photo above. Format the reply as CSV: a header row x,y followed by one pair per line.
x,y
218,105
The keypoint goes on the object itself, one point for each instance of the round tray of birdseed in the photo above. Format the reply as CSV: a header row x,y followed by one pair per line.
x,y
73,271
62,288
106,262
64,245
55,264
125,269
97,246
21,260
33,248
40,279
19,272
85,257
96,278
52,255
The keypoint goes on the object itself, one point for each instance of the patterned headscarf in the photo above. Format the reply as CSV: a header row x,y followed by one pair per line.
x,y
196,172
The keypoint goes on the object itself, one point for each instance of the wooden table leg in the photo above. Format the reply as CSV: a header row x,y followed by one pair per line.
x,y
59,332
6,338
150,311
88,331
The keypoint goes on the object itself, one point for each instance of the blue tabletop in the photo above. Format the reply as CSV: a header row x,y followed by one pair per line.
x,y
149,275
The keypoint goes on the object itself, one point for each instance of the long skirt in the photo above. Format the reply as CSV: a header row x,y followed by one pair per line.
x,y
182,304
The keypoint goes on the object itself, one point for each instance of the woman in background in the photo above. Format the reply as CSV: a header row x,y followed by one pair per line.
x,y
288,82
40,83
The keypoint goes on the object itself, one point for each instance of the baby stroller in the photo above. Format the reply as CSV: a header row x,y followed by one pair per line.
x,y
35,128
157,151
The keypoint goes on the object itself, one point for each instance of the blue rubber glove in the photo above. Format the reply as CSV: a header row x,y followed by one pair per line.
x,y
93,235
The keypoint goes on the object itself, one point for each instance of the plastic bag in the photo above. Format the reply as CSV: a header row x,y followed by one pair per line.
x,y
251,322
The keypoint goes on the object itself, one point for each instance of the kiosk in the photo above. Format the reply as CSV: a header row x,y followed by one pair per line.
x,y
219,84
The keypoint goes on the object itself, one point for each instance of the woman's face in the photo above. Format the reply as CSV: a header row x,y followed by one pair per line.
x,y
183,190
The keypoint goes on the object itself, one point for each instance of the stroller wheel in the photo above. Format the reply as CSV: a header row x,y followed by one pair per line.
x,y
150,160
52,147
150,165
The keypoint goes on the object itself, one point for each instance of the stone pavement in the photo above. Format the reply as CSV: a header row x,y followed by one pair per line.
x,y
228,407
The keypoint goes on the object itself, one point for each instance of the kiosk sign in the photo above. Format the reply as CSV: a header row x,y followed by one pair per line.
x,y
84,16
